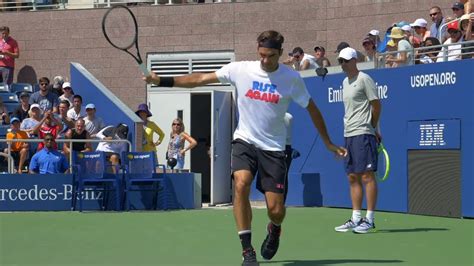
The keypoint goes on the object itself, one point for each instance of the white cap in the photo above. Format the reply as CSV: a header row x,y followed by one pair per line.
x,y
35,105
347,53
90,106
406,28
420,23
67,85
374,32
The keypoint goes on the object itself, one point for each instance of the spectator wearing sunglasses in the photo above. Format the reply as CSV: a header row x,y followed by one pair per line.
x,y
437,17
46,99
176,146
48,160
301,61
420,28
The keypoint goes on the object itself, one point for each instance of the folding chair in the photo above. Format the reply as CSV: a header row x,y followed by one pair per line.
x,y
139,169
90,171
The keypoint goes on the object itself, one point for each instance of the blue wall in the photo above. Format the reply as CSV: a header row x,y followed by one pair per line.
x,y
402,103
108,106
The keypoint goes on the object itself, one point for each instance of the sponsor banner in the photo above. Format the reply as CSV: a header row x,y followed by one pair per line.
x,y
36,192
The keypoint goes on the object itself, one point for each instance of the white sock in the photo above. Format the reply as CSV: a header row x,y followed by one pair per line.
x,y
356,216
370,216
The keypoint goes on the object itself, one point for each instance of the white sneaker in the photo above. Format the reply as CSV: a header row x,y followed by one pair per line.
x,y
364,227
349,225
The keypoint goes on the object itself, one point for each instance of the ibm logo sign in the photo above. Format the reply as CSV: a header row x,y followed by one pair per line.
x,y
432,135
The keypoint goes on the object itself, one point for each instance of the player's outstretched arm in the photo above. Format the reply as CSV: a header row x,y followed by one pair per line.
x,y
186,81
318,122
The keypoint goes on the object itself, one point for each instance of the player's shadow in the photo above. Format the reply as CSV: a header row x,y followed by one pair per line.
x,y
328,262
410,230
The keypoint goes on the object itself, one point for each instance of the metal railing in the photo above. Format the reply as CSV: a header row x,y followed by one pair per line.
x,y
441,50
442,27
69,141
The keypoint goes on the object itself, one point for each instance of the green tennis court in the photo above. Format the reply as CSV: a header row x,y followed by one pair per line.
x,y
208,237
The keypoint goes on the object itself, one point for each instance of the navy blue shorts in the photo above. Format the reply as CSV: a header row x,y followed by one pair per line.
x,y
269,166
361,154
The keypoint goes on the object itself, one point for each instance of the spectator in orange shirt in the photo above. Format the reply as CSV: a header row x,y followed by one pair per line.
x,y
9,51
19,150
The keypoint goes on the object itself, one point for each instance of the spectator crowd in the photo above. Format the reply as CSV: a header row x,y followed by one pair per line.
x,y
396,47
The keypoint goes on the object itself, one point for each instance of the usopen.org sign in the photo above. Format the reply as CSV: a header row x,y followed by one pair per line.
x,y
30,192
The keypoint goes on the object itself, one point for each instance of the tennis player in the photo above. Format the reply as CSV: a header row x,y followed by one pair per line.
x,y
362,112
264,90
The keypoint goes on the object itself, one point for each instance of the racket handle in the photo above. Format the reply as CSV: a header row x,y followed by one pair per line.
x,y
144,69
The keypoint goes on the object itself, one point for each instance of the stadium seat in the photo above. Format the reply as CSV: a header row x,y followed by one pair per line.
x,y
4,88
18,88
9,97
90,171
140,175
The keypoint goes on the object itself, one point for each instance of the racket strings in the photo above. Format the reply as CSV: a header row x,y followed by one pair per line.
x,y
120,28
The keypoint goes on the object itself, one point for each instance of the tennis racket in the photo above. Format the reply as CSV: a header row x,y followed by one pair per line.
x,y
383,166
120,29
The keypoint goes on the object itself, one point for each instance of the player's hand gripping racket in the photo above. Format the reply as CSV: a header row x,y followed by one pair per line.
x,y
120,29
383,167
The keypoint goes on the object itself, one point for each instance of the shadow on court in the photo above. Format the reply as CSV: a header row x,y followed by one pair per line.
x,y
411,230
327,262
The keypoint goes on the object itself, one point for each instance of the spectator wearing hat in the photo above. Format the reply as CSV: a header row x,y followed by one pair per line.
x,y
21,112
453,51
93,123
413,40
391,47
46,99
56,88
67,93
420,26
9,51
149,129
374,35
113,149
458,9
49,160
301,61
404,48
77,111
362,112
342,45
370,49
33,119
19,150
438,20
321,59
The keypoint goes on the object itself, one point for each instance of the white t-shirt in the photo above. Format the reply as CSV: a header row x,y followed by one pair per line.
x,y
262,100
312,61
71,113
